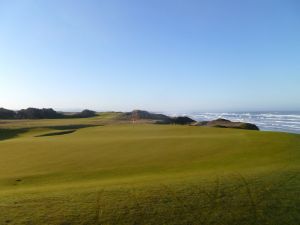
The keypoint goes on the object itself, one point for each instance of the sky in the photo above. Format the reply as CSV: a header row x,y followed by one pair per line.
x,y
158,55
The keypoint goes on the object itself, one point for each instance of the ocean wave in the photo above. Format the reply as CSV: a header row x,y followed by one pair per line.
x,y
277,121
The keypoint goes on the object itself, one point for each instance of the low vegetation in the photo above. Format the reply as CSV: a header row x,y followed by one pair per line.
x,y
70,171
144,116
34,113
223,123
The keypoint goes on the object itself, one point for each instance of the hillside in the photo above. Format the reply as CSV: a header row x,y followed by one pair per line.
x,y
146,174
141,116
44,113
223,123
136,116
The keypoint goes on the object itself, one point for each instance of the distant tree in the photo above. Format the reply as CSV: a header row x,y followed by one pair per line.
x,y
85,114
182,120
33,113
44,113
7,114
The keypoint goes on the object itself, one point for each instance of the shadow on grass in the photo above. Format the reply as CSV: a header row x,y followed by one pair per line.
x,y
56,133
11,133
71,127
66,129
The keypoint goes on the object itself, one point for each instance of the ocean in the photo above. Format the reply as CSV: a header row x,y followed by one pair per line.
x,y
268,121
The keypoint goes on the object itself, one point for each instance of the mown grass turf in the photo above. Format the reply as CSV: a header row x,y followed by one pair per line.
x,y
149,174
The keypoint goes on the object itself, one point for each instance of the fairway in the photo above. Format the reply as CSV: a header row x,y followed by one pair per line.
x,y
147,174
149,112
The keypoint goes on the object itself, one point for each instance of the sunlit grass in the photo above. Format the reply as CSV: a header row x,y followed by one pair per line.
x,y
147,174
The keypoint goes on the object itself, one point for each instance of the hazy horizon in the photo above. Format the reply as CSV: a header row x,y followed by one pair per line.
x,y
179,112
208,56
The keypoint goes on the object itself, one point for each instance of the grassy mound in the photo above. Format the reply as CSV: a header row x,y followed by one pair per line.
x,y
148,174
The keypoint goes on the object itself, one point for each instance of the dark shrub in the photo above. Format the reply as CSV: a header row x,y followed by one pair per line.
x,y
85,114
7,114
182,120
33,113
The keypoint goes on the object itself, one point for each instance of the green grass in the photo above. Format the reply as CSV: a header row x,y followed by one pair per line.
x,y
146,174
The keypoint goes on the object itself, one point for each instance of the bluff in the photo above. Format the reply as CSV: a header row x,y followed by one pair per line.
x,y
223,123
141,115
44,113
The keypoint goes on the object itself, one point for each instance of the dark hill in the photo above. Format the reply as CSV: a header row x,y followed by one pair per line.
x,y
182,120
7,114
223,123
44,113
84,114
143,115
137,115
34,113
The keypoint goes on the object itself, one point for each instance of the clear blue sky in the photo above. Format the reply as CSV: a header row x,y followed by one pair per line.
x,y
159,55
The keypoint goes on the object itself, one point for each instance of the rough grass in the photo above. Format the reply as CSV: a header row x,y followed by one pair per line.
x,y
148,174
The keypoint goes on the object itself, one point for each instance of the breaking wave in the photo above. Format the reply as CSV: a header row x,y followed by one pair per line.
x,y
271,121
